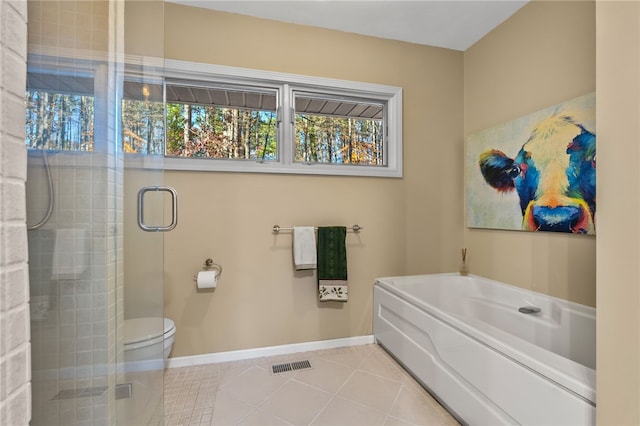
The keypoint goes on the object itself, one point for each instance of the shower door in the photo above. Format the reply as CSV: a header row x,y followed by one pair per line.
x,y
94,126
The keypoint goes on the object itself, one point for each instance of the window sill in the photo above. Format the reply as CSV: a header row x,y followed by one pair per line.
x,y
249,166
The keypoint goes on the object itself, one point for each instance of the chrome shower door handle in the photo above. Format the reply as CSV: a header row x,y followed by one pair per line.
x,y
174,209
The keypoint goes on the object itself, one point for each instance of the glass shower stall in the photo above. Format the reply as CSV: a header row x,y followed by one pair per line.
x,y
96,210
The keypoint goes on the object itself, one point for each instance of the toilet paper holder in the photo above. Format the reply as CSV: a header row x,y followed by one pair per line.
x,y
209,265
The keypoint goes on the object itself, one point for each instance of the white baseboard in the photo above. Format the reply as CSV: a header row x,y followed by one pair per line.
x,y
212,358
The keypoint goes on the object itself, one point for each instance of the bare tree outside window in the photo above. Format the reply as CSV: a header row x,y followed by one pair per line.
x,y
59,121
338,130
322,139
245,120
142,127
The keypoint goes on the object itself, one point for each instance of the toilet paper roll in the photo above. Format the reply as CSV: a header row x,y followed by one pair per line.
x,y
207,279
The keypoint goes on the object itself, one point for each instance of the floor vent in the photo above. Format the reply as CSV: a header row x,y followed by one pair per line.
x,y
290,366
300,365
80,393
123,390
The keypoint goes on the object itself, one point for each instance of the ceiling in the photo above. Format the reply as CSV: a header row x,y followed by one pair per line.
x,y
452,24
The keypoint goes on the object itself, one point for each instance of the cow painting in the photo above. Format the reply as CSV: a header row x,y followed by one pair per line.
x,y
553,174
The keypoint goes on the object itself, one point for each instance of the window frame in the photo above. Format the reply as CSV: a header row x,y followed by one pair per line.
x,y
161,71
287,85
82,68
265,88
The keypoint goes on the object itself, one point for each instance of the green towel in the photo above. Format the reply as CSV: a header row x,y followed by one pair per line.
x,y
332,264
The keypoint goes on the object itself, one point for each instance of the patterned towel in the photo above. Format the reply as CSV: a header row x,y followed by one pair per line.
x,y
332,264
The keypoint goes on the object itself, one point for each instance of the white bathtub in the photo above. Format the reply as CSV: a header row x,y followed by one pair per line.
x,y
464,339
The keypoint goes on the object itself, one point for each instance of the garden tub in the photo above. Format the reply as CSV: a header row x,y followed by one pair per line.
x,y
490,352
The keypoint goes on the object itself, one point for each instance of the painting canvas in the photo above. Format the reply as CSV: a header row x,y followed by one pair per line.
x,y
535,173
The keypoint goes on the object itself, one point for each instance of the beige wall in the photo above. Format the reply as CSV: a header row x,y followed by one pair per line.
x,y
414,225
541,56
618,271
411,224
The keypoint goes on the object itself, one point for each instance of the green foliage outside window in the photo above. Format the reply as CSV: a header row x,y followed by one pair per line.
x,y
215,132
337,140
58,121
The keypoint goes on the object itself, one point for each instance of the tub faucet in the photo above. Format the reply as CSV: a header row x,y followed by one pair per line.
x,y
463,265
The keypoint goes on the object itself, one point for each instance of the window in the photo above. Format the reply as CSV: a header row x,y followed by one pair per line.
x,y
332,130
59,112
232,119
214,118
223,122
143,119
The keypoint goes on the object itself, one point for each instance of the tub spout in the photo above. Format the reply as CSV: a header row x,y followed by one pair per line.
x,y
529,310
463,266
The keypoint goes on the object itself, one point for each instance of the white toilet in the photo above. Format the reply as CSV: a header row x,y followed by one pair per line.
x,y
143,338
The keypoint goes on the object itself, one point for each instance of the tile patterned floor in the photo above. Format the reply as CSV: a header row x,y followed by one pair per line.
x,y
359,385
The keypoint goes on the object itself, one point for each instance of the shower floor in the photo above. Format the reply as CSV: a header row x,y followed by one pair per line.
x,y
358,385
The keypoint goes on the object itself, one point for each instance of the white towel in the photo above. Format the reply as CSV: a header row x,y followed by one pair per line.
x,y
304,247
70,254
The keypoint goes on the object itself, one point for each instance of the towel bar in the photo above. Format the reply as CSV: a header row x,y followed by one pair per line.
x,y
277,228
